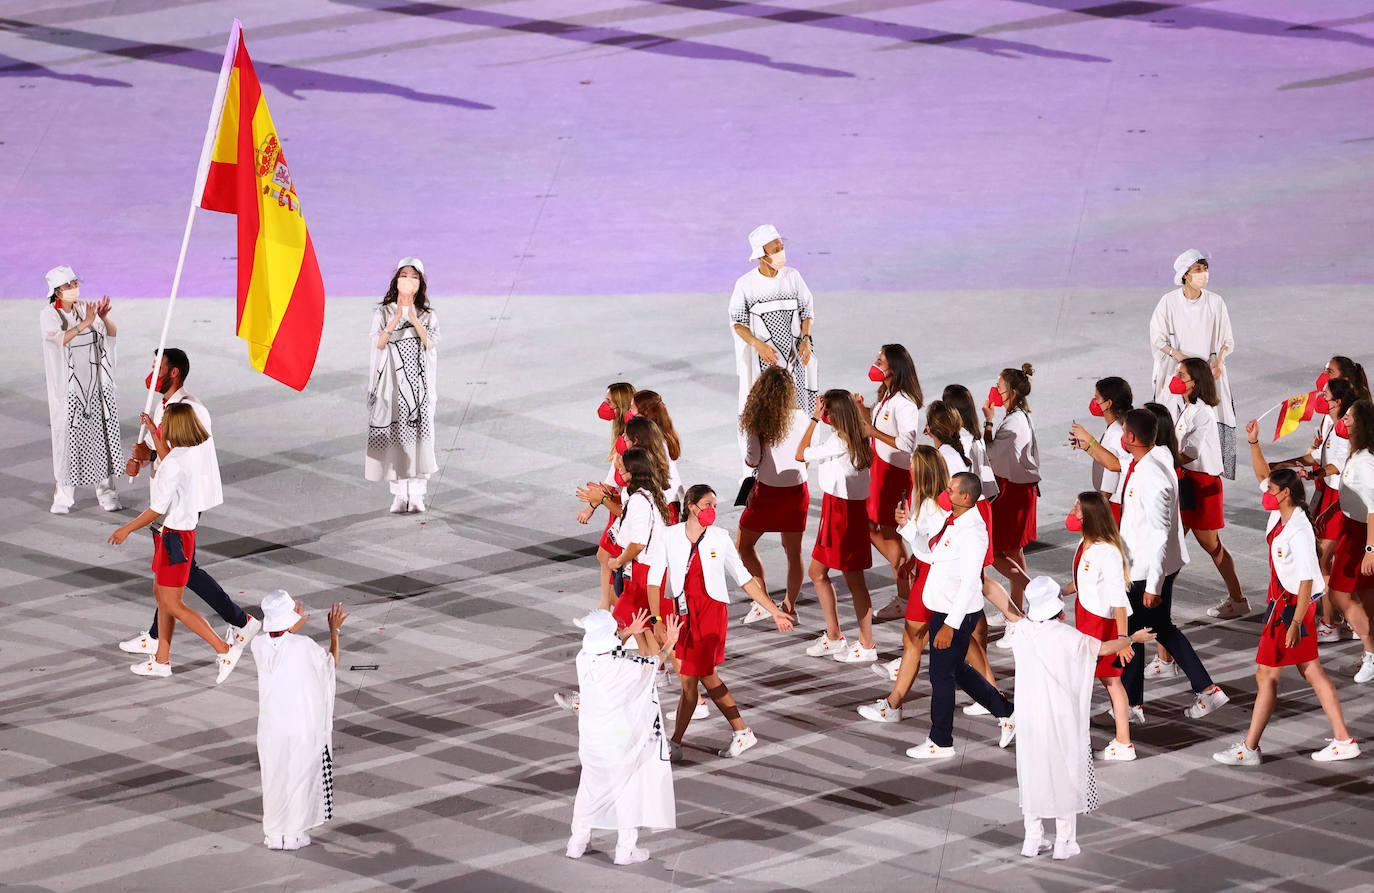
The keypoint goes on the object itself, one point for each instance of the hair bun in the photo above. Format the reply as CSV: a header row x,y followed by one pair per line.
x,y
1028,369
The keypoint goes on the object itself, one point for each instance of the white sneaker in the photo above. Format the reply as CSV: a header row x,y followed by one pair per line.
x,y
1065,850
1008,730
57,509
826,646
1118,752
995,620
756,613
242,635
570,701
1327,634
110,503
577,846
893,610
739,743
1158,669
674,751
1366,671
151,667
976,709
1135,716
1206,702
1229,609
399,505
141,643
857,654
1003,644
881,711
227,661
295,842
417,504
273,843
631,857
699,712
929,750
1337,750
1238,755
887,670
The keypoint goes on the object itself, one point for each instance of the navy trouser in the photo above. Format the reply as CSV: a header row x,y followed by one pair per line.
x,y
1160,619
210,592
948,667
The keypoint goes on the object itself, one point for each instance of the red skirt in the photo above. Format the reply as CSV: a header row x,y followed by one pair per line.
x,y
635,598
1116,512
1327,497
1013,516
1345,564
701,644
1272,651
608,543
1103,629
985,509
1207,512
776,509
173,569
887,486
916,610
842,541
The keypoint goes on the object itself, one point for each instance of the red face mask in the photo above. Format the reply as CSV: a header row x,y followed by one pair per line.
x,y
606,412
825,418
994,396
1342,430
706,517
944,502
1320,404
630,413
875,373
620,444
619,478
1322,380
1095,408
1270,502
1073,522
1176,386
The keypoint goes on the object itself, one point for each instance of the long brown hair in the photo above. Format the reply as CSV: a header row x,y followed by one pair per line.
x,y
1361,412
1352,372
1204,385
901,372
1099,524
1018,382
640,470
844,418
769,410
929,476
961,398
944,424
650,405
644,434
1287,479
620,394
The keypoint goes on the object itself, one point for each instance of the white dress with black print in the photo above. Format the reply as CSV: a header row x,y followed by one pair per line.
x,y
401,393
773,309
86,448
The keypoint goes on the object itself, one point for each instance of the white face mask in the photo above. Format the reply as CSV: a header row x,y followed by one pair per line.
x,y
1198,280
70,295
407,288
777,261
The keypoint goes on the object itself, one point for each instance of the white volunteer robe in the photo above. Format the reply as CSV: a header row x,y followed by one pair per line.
x,y
295,732
86,446
627,781
403,388
1201,329
773,309
1054,684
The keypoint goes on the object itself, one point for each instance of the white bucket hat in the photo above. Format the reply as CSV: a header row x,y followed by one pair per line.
x,y
411,262
59,276
598,634
1042,599
1184,261
761,236
278,612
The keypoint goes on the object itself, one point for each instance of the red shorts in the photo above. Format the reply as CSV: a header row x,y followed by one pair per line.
x,y
1345,564
1207,513
1102,629
609,544
887,486
173,552
985,509
776,509
635,598
1013,516
842,541
701,645
1272,653
1328,498
916,610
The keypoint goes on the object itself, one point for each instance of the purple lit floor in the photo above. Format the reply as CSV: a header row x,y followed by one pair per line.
x,y
986,182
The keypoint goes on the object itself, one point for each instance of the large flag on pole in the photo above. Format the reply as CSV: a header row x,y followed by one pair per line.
x,y
243,172
1292,413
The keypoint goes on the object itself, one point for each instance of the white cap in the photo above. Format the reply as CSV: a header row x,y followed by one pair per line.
x,y
1042,599
598,634
58,277
411,262
761,236
1184,261
278,612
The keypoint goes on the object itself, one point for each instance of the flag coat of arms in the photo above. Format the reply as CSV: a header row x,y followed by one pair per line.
x,y
1292,413
280,291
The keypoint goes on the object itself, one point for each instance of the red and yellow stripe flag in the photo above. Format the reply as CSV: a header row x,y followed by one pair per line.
x,y
280,292
1292,413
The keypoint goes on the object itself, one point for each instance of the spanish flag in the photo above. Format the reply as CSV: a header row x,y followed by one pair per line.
x,y
1292,413
243,171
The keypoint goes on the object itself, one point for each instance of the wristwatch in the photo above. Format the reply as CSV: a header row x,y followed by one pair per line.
x,y
1368,549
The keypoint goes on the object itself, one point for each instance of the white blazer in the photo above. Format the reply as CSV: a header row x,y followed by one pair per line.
x,y
1151,528
718,554
954,586
1357,486
1013,453
898,416
1197,436
1293,553
923,525
1101,576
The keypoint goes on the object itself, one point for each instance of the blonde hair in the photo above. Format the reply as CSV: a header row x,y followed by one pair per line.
x,y
844,418
929,475
181,428
621,394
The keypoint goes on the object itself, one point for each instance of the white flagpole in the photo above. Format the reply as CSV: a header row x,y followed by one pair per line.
x,y
202,172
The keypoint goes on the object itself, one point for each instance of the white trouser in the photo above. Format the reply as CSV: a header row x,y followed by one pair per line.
x,y
65,496
409,487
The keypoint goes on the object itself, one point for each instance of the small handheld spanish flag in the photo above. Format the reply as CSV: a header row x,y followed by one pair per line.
x,y
1292,413
280,291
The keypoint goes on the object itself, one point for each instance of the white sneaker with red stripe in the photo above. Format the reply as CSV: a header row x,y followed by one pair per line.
x,y
1229,609
1238,755
929,750
826,646
151,667
1337,750
1206,702
756,613
881,711
141,643
857,654
1116,751
1159,669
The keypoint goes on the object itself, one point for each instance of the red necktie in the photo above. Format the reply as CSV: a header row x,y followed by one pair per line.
x,y
1125,486
949,519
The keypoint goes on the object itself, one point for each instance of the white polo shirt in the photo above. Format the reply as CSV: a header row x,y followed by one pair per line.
x,y
1197,435
835,471
172,492
899,417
